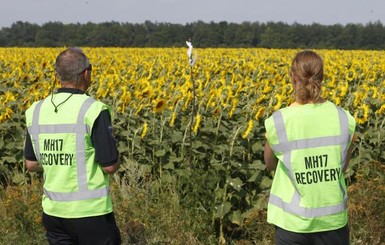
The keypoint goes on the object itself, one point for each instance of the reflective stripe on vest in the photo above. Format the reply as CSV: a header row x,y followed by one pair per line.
x,y
80,129
285,146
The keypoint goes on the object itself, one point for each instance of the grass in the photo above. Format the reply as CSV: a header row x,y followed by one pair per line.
x,y
151,211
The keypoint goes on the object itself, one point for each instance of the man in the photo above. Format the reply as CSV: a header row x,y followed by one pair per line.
x,y
69,137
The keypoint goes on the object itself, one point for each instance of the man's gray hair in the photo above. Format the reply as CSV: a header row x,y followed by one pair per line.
x,y
70,64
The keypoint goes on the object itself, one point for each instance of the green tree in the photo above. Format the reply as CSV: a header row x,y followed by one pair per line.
x,y
50,35
22,34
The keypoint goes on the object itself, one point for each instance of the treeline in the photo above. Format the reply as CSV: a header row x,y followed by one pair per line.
x,y
221,34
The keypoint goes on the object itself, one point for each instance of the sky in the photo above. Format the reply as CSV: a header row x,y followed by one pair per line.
x,y
325,12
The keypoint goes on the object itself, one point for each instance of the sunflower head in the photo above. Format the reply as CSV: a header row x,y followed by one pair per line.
x,y
159,106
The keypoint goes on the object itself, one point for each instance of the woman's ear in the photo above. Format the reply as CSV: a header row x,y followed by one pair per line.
x,y
292,77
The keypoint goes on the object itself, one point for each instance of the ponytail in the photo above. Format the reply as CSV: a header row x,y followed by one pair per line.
x,y
307,71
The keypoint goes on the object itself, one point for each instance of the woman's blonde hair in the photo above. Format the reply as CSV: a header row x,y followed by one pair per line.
x,y
307,73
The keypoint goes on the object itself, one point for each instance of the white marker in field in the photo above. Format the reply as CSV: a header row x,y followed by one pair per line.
x,y
191,54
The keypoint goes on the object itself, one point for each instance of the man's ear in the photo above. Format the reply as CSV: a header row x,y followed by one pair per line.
x,y
86,75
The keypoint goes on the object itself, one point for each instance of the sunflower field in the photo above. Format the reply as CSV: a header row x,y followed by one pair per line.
x,y
197,130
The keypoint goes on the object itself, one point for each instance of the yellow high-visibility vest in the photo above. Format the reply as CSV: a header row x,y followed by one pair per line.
x,y
308,193
74,184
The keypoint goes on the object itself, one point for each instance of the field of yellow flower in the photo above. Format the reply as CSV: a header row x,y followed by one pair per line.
x,y
170,117
158,87
159,79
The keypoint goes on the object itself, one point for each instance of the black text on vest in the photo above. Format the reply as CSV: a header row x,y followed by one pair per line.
x,y
317,171
53,154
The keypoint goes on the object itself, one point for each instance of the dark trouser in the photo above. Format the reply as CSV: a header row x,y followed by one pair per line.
x,y
334,237
97,230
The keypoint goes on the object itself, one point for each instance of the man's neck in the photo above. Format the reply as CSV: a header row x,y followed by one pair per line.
x,y
73,86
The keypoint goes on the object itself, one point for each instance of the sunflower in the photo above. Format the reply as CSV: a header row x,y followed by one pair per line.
x,y
160,105
381,110
172,120
260,112
337,100
250,125
198,119
6,114
9,96
144,130
234,104
362,114
140,107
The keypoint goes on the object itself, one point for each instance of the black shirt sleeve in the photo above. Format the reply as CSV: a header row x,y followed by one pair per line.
x,y
29,154
106,151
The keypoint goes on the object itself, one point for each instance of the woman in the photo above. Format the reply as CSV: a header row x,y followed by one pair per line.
x,y
309,147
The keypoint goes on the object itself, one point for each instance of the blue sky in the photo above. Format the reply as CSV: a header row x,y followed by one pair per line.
x,y
325,12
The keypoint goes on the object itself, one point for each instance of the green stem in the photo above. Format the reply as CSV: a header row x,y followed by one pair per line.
x,y
233,140
192,117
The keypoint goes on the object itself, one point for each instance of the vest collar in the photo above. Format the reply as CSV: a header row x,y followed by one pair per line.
x,y
70,90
